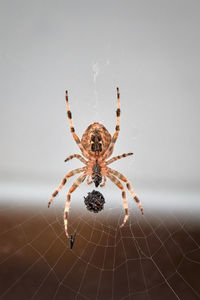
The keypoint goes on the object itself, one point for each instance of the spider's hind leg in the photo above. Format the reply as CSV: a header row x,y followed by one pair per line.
x,y
117,128
76,138
125,204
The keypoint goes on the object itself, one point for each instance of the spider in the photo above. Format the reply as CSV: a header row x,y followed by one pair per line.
x,y
96,145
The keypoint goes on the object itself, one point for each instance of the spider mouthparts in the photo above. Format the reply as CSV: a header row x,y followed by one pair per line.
x,y
72,239
97,180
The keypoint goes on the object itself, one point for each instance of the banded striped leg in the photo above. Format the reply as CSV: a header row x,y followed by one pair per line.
x,y
117,128
76,138
104,181
125,204
79,180
110,161
129,187
70,174
76,156
88,180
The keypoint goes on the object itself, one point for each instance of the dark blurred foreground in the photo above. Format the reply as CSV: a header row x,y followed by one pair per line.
x,y
150,258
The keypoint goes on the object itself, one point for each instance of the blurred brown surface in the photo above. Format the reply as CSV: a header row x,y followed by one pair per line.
x,y
150,258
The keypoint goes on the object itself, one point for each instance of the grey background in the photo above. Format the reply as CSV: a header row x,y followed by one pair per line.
x,y
150,49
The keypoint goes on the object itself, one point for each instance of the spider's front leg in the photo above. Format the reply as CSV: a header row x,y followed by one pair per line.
x,y
67,204
125,204
70,174
129,187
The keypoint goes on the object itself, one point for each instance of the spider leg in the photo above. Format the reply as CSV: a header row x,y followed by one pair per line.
x,y
117,128
125,204
64,180
129,187
79,180
104,181
76,138
88,180
76,156
117,157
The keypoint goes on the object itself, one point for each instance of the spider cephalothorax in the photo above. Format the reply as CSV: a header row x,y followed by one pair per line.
x,y
96,174
97,146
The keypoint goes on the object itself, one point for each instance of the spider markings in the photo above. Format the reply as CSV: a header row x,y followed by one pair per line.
x,y
96,140
96,145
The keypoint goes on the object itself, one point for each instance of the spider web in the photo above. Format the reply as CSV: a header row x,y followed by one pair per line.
x,y
153,256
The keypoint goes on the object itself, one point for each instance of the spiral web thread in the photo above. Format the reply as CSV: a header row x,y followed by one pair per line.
x,y
153,256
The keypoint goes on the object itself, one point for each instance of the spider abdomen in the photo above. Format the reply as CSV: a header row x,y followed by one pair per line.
x,y
96,139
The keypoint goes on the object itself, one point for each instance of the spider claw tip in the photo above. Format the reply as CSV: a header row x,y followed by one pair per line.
x,y
72,239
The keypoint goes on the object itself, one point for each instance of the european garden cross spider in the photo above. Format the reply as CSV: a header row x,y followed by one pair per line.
x,y
96,145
